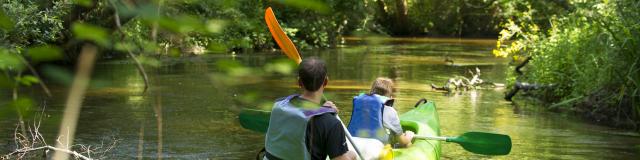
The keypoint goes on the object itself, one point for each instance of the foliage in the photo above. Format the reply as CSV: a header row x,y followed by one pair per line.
x,y
590,54
463,18
310,22
30,23
34,31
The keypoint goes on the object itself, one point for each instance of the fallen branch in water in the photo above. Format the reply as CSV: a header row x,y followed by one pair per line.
x,y
526,61
32,141
26,150
465,83
523,85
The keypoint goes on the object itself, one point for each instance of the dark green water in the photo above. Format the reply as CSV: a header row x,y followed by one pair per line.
x,y
199,104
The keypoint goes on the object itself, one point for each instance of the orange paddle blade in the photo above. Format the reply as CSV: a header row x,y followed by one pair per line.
x,y
281,38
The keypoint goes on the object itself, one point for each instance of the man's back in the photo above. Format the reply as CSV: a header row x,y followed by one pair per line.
x,y
325,137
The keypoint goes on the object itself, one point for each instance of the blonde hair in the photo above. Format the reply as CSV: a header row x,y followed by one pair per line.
x,y
382,86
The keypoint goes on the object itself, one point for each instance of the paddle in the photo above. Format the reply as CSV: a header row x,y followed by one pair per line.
x,y
479,142
255,120
281,38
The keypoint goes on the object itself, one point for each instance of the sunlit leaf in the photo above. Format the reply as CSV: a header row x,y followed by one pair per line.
x,y
149,61
282,66
181,24
27,80
5,22
215,26
226,65
318,6
249,97
10,61
149,47
44,53
86,3
124,46
233,68
90,32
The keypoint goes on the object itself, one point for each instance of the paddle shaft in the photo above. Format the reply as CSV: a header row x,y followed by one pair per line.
x,y
430,138
349,137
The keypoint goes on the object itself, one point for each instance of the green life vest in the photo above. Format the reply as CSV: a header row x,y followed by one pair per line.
x,y
285,137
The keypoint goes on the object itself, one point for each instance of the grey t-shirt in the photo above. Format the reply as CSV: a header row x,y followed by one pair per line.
x,y
391,121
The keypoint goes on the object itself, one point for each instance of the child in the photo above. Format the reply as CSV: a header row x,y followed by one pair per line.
x,y
373,112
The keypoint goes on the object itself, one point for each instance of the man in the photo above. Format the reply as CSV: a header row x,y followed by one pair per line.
x,y
300,127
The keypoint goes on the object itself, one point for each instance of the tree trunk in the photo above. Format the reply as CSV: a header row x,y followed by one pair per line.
x,y
402,25
382,10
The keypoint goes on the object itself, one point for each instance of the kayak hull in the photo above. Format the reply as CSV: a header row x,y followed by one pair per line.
x,y
424,121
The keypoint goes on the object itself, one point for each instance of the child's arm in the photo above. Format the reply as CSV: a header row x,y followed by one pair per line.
x,y
391,121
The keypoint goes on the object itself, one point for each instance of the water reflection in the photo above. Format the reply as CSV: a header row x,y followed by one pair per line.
x,y
199,109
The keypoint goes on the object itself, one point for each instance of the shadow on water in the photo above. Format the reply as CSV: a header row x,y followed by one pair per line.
x,y
200,112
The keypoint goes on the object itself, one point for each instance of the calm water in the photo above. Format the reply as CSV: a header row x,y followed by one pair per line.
x,y
199,103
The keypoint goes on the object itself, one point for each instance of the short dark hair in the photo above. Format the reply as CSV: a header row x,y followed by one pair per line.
x,y
312,71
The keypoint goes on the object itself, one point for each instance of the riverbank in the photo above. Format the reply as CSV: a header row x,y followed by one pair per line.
x,y
589,55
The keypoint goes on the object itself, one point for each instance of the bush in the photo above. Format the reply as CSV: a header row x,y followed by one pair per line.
x,y
590,55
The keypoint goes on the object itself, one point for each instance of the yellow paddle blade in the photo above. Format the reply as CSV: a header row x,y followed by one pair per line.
x,y
281,38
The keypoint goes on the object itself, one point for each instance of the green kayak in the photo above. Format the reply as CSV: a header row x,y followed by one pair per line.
x,y
422,120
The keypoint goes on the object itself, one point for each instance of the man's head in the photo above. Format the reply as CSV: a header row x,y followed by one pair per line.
x,y
312,74
382,86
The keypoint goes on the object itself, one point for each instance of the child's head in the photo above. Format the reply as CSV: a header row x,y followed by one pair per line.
x,y
382,86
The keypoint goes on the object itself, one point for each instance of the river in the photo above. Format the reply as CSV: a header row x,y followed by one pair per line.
x,y
198,103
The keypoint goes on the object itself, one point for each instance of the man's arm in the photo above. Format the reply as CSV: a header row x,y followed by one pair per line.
x,y
337,147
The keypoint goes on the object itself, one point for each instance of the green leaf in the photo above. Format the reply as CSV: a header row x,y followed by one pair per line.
x,y
5,22
215,26
57,74
307,4
233,68
149,61
182,24
90,32
10,61
124,46
86,3
281,66
27,80
44,53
